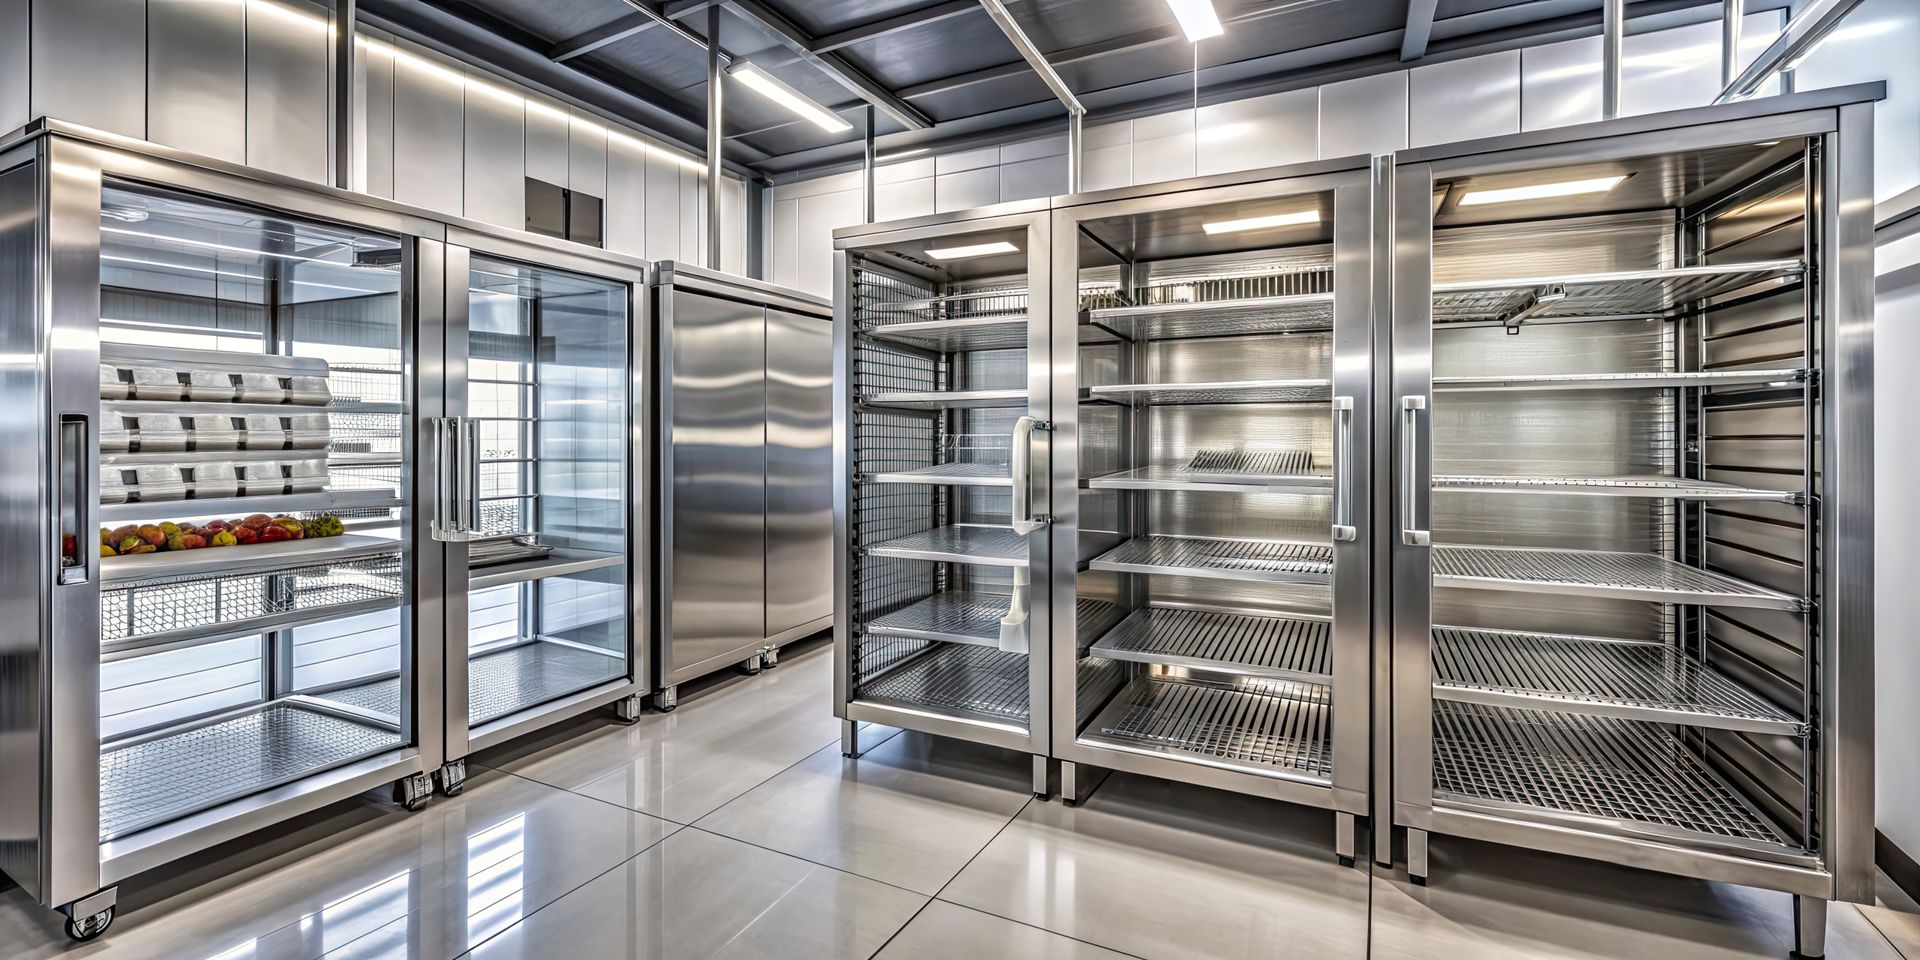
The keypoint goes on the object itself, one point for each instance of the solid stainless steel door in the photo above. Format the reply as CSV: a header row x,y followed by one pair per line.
x,y
714,483
799,460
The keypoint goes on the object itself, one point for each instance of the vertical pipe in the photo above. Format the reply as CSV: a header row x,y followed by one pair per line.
x,y
1613,30
866,166
1076,141
346,17
1731,11
715,111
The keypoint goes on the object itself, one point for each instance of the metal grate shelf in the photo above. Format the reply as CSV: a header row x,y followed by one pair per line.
x,y
1280,648
967,682
503,682
959,335
1597,573
972,616
946,399
1651,487
1634,680
976,545
1618,381
1218,318
949,475
1272,561
1186,478
1311,390
1625,293
330,501
1601,772
1274,728
159,778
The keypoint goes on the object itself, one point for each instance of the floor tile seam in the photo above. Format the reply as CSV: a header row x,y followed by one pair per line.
x,y
623,808
943,887
769,779
1891,944
806,860
1035,926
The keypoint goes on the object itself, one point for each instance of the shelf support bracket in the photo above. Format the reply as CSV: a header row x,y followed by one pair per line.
x,y
1537,303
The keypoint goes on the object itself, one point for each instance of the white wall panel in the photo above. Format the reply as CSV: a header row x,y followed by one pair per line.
x,y
966,160
1464,99
374,67
1269,131
15,65
1103,168
975,187
626,175
547,153
1033,149
87,57
1368,115
663,210
1879,40
1896,521
1680,68
288,78
1560,84
693,218
495,171
587,156
733,232
1040,177
783,238
818,216
1163,147
197,76
428,148
898,201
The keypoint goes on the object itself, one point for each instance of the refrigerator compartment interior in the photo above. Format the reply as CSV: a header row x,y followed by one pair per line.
x,y
1599,774
1265,727
162,777
506,681
1299,390
251,558
1280,648
1179,320
949,475
958,334
487,553
128,355
167,610
1237,471
557,562
1633,679
381,697
328,501
1655,487
191,457
973,616
355,385
961,543
1776,376
996,301
1614,294
961,681
1598,573
946,399
1275,561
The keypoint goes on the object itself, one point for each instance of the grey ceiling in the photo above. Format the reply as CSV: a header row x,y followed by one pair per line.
x,y
947,62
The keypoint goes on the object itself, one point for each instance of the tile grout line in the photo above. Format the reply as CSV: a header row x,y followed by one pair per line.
x,y
943,887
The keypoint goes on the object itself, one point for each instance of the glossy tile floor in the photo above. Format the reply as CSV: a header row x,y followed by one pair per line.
x,y
733,828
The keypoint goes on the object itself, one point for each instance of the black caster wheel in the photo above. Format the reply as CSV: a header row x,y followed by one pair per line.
x,y
1346,862
82,929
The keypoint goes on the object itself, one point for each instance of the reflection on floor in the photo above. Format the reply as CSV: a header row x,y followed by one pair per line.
x,y
733,828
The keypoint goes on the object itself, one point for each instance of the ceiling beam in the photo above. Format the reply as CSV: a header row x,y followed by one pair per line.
x,y
1413,42
591,40
1003,18
894,24
833,65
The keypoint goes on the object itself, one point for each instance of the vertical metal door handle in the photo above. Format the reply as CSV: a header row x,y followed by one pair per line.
x,y
470,474
1022,469
78,553
1410,532
447,505
1343,528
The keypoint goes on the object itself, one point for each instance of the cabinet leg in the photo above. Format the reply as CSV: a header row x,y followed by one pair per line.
x,y
849,738
90,916
751,665
627,709
770,657
451,777
1417,856
1042,776
667,699
413,790
1345,833
1809,928
1078,781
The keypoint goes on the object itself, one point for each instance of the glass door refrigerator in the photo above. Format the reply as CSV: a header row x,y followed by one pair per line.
x,y
944,372
209,467
1212,423
1633,569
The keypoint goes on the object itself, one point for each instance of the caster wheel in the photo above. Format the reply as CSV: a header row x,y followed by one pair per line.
x,y
453,791
1346,861
414,805
87,928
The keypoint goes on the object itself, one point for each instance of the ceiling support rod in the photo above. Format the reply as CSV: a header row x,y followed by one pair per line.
x,y
835,66
1731,12
346,95
715,142
1414,40
1613,32
1003,19
1802,34
1076,142
866,166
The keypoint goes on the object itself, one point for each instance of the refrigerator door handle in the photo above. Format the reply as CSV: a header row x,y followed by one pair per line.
x,y
1343,528
470,476
78,553
1023,518
446,499
1410,532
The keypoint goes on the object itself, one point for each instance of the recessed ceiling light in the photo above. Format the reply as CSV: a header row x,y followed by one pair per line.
x,y
764,84
1541,191
1197,19
1262,223
971,250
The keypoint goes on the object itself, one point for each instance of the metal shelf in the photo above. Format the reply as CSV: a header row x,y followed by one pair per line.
x,y
1273,729
562,562
1311,390
1623,293
1186,478
238,560
1270,561
984,332
125,355
979,546
165,776
1651,487
189,457
1615,381
503,682
324,501
1218,318
315,605
234,408
1630,679
949,475
1017,297
1597,573
1593,773
1280,648
972,616
947,399
961,681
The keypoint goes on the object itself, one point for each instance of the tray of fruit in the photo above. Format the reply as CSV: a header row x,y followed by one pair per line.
x,y
225,546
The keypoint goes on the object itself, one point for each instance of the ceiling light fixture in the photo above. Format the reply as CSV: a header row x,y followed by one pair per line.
x,y
764,84
972,250
1565,188
1262,223
1197,19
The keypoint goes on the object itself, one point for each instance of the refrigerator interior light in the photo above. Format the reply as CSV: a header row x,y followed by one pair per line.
x,y
1197,19
764,84
1262,223
972,250
1541,191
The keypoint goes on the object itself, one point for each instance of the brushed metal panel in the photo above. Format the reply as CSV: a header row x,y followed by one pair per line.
x,y
663,211
1103,168
288,78
976,187
1367,115
89,62
799,470
587,156
1026,179
374,68
428,124
1677,68
899,200
1259,132
1163,147
733,226
1033,149
966,160
1877,42
693,219
818,217
197,76
626,195
495,156
15,65
715,483
24,513
784,240
547,155
1464,99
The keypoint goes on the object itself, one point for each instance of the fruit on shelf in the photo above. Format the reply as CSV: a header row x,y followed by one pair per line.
x,y
256,521
152,534
141,547
186,541
170,528
216,525
173,536
128,544
290,525
121,533
245,534
325,525
107,551
223,538
272,533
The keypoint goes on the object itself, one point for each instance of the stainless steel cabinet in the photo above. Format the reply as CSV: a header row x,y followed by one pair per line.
x,y
799,465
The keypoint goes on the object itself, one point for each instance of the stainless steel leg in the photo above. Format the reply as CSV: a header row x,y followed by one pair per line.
x,y
451,777
1345,832
751,665
666,699
1809,928
627,709
770,657
849,738
1042,776
1382,842
1417,856
1078,781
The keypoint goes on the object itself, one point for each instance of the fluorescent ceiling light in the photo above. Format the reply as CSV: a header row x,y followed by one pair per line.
x,y
1565,188
765,85
1262,223
1197,19
972,250
901,154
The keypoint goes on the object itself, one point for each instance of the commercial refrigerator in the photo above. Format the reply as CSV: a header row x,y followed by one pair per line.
x,y
745,508
1212,591
1633,489
212,479
944,376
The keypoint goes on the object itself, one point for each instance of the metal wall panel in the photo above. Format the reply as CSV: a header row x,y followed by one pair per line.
x,y
1877,41
548,156
1367,115
966,160
15,66
24,511
783,240
87,56
495,149
693,219
374,67
627,210
1163,147
587,156
818,218
288,77
799,459
1258,132
662,222
907,198
1665,70
1896,517
733,226
975,187
1026,179
197,76
427,134
1560,84
1464,99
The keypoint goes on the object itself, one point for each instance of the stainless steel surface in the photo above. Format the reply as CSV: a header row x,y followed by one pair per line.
x,y
1271,561
1597,573
287,63
799,459
957,680
1004,19
950,475
1613,36
1186,477
1809,25
983,332
1283,313
946,399
560,562
1616,381
69,33
964,543
1731,13
1302,390
1675,488
528,674
346,135
1251,646
197,77
1273,729
1614,294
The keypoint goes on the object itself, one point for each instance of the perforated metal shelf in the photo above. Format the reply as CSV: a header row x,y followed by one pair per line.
x,y
949,475
1274,729
963,681
164,777
946,399
378,696
972,616
986,332
1273,561
1598,676
1277,647
1650,487
1218,318
1618,381
508,681
1597,573
1220,391
980,546
1599,773
1623,293
1185,478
